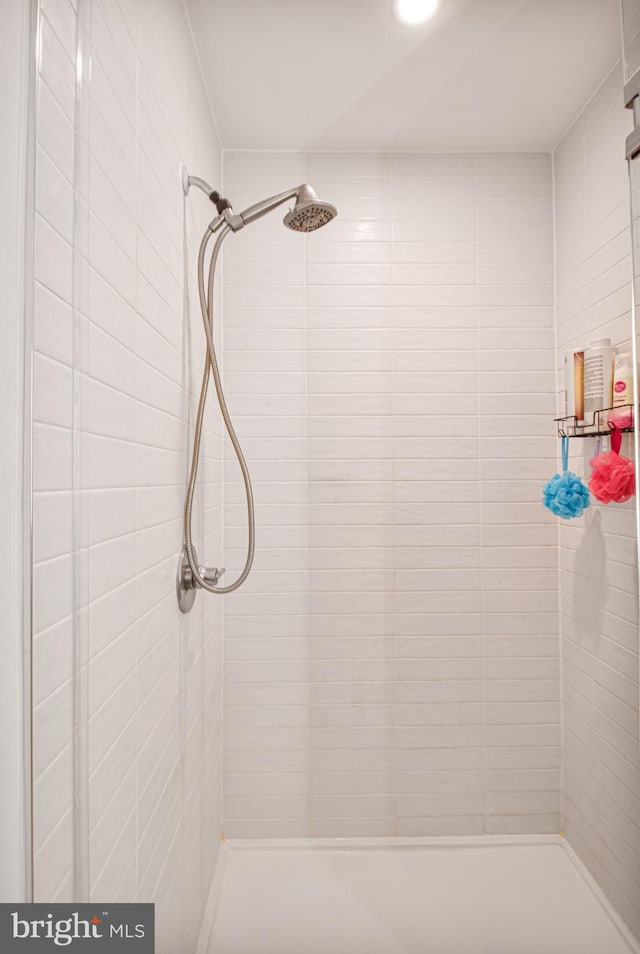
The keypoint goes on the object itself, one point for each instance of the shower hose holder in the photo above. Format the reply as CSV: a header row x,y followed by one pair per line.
x,y
186,585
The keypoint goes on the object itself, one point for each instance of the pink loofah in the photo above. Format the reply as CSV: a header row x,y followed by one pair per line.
x,y
613,477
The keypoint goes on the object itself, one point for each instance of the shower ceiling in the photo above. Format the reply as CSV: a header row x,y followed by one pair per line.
x,y
344,74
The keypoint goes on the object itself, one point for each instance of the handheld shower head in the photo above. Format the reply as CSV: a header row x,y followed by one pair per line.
x,y
309,213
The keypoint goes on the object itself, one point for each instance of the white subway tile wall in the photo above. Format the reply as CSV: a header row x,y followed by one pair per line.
x,y
392,664
117,366
598,566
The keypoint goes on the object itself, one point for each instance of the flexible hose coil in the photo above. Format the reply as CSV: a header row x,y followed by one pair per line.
x,y
211,364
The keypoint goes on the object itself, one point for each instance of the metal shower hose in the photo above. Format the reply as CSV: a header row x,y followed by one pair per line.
x,y
211,363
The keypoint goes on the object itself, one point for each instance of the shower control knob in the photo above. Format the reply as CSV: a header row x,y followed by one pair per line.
x,y
187,586
211,574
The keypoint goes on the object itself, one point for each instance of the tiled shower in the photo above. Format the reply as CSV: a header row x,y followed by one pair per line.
x,y
392,664
420,649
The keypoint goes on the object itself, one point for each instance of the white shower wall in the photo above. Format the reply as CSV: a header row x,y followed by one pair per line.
x,y
598,562
391,665
118,357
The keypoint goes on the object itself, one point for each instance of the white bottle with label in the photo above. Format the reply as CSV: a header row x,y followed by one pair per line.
x,y
598,377
623,378
574,383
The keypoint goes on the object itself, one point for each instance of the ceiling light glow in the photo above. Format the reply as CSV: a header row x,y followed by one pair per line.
x,y
412,12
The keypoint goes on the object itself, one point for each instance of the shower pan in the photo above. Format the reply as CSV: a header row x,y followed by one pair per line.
x,y
308,214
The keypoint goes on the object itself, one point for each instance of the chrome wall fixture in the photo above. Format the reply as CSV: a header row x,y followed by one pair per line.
x,y
307,215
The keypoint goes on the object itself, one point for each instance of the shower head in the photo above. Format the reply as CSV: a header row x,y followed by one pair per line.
x,y
309,213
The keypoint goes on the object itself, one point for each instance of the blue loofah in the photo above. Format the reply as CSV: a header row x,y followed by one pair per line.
x,y
565,494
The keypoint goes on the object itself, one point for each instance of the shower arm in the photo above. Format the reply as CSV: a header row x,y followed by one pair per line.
x,y
188,181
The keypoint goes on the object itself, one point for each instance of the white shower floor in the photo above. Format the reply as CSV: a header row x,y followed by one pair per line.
x,y
425,896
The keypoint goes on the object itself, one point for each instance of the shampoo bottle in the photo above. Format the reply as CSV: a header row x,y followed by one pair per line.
x,y
623,378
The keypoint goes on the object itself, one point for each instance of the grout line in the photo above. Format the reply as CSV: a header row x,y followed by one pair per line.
x,y
558,534
480,507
